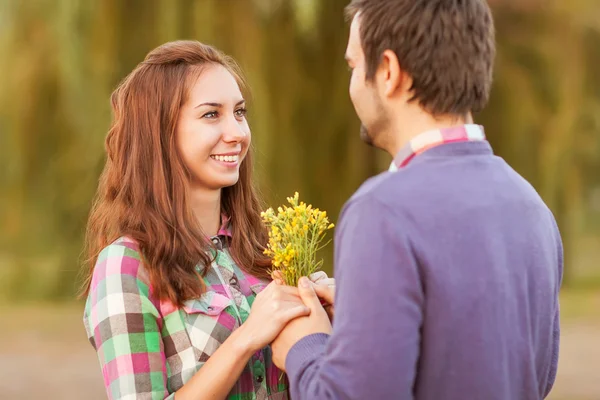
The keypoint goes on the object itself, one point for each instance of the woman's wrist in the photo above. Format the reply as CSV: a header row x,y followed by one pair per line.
x,y
243,341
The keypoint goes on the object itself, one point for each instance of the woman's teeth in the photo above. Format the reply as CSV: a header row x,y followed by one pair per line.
x,y
225,158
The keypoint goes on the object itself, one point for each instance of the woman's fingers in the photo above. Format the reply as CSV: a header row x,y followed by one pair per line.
x,y
277,277
275,288
284,289
287,297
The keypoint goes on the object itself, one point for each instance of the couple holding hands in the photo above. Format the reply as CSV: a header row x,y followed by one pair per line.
x,y
447,266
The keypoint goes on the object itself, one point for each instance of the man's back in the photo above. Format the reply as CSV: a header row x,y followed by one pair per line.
x,y
448,274
490,263
448,269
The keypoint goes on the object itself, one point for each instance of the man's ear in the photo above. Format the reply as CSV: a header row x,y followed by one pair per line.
x,y
391,76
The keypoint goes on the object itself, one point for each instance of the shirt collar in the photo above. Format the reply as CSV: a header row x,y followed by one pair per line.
x,y
436,137
224,232
225,229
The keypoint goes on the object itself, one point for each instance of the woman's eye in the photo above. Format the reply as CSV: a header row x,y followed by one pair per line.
x,y
241,112
211,115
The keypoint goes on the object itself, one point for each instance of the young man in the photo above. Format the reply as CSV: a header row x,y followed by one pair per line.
x,y
448,266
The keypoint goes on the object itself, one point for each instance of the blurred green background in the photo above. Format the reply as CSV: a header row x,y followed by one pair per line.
x,y
61,59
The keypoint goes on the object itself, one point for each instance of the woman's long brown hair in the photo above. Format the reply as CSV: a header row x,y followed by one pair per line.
x,y
143,189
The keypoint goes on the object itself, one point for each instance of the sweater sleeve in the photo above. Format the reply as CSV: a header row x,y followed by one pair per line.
x,y
556,322
379,291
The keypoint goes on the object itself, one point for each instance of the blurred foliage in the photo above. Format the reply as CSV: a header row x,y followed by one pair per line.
x,y
60,60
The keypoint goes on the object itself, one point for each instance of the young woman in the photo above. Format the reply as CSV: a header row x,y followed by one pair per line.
x,y
178,295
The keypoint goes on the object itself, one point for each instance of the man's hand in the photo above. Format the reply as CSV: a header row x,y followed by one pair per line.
x,y
316,322
325,290
324,287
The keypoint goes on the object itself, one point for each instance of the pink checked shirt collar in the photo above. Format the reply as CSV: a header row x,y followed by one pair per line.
x,y
433,138
225,229
224,232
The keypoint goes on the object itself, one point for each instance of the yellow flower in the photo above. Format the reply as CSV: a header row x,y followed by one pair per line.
x,y
295,233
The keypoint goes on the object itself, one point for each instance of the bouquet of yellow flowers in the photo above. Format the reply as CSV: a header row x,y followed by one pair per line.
x,y
295,236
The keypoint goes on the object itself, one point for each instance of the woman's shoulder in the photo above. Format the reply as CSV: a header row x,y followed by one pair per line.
x,y
122,247
120,259
119,294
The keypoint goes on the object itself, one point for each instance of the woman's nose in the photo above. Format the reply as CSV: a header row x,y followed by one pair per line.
x,y
234,131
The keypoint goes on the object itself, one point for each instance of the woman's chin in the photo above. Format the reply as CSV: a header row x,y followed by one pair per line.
x,y
228,181
216,181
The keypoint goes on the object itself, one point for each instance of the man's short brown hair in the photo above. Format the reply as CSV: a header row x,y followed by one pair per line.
x,y
446,46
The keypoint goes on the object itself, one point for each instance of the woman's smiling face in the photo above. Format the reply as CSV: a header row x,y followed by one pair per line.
x,y
213,135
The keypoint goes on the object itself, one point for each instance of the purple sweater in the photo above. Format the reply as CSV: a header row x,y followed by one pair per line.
x,y
448,273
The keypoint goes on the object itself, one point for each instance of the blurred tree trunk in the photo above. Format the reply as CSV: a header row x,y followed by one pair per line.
x,y
534,115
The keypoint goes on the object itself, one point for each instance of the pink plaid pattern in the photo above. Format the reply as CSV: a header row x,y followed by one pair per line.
x,y
149,349
433,138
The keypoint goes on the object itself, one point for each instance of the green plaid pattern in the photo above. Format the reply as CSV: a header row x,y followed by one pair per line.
x,y
148,349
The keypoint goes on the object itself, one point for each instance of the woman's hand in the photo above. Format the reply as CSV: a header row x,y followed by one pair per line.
x,y
272,309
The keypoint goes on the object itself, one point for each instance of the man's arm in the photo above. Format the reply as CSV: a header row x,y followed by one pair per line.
x,y
556,323
374,347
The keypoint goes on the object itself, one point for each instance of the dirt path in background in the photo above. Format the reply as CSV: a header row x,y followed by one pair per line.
x,y
44,354
579,363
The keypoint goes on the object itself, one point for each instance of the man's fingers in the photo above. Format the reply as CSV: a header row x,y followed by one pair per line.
x,y
307,293
295,312
326,282
318,276
327,293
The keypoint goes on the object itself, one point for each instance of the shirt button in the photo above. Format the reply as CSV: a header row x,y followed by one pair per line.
x,y
233,281
259,371
217,242
210,308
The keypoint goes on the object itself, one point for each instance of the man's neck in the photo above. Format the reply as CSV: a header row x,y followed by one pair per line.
x,y
206,205
406,129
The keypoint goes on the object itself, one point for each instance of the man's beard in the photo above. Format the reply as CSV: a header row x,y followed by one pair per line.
x,y
365,136
372,134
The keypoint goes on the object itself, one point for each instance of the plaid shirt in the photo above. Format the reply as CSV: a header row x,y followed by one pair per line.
x,y
149,349
429,139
